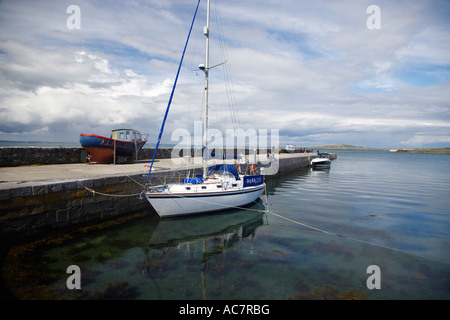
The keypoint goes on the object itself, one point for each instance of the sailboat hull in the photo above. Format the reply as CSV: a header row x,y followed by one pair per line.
x,y
179,204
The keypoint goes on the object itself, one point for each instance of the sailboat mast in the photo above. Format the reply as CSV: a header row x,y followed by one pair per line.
x,y
206,70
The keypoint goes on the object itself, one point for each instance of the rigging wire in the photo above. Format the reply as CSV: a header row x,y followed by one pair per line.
x,y
224,88
229,87
173,90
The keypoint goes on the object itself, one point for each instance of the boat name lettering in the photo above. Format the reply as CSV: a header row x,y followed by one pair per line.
x,y
109,142
253,180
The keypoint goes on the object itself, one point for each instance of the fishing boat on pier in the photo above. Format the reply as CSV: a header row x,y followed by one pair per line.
x,y
122,142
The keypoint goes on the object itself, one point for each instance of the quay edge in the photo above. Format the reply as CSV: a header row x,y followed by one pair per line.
x,y
39,207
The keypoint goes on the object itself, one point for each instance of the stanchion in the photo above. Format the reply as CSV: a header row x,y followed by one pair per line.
x,y
115,142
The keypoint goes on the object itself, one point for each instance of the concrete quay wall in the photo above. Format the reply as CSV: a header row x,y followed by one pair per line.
x,y
27,156
30,210
48,206
34,208
292,163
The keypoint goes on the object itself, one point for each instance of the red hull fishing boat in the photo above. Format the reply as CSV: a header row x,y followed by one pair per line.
x,y
126,143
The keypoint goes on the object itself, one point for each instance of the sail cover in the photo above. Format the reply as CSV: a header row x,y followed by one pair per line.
x,y
225,168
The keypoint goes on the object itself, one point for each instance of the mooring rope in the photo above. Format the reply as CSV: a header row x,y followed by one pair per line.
x,y
272,213
143,186
301,224
355,239
107,194
314,228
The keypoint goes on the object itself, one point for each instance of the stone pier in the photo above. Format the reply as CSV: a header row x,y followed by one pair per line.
x,y
44,198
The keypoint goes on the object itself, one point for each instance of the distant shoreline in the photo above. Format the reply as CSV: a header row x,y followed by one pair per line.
x,y
43,144
426,150
397,150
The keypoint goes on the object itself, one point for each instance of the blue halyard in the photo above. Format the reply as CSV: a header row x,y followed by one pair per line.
x,y
171,94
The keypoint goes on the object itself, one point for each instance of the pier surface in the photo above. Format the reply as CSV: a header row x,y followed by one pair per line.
x,y
41,198
29,175
11,177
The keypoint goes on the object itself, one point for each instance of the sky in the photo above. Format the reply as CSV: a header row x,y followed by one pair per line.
x,y
320,72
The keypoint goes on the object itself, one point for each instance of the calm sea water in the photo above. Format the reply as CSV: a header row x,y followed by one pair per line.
x,y
391,210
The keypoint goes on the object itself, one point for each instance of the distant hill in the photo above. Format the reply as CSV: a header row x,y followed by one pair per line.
x,y
425,150
350,147
342,147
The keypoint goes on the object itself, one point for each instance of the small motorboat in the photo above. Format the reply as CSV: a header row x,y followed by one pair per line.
x,y
124,142
321,162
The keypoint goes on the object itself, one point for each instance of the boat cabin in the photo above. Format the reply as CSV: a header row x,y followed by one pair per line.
x,y
126,135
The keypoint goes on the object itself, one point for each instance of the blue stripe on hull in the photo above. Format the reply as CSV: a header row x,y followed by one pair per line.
x,y
182,204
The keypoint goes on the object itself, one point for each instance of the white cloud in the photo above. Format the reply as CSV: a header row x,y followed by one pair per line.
x,y
76,88
311,69
421,140
430,46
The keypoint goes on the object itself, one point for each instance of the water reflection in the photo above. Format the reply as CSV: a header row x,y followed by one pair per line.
x,y
216,234
146,259
173,232
383,214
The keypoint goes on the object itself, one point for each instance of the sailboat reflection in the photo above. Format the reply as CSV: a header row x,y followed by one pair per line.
x,y
212,234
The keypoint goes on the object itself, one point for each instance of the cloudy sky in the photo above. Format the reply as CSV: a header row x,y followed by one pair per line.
x,y
316,70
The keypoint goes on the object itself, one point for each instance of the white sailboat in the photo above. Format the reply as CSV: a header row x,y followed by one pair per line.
x,y
220,186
